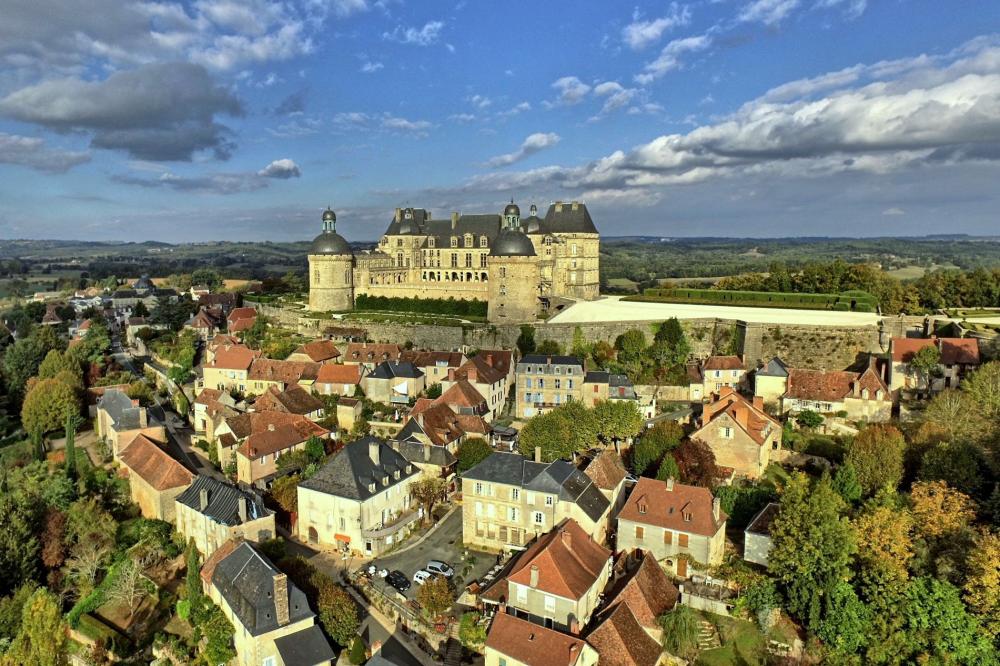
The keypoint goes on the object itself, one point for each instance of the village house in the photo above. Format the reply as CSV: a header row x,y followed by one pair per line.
x,y
557,582
317,351
626,629
265,373
956,358
210,408
682,526
599,385
240,319
515,642
154,477
120,419
696,382
508,500
740,433
273,623
757,535
234,430
464,399
212,512
349,411
226,301
220,341
229,368
394,382
359,501
720,372
257,456
370,354
337,379
608,472
485,373
434,364
857,396
770,382
293,400
544,382
206,322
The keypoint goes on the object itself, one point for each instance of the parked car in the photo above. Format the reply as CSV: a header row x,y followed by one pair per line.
x,y
422,577
398,580
441,568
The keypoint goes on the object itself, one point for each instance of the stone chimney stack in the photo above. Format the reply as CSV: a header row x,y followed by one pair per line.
x,y
399,214
427,452
451,374
758,402
538,454
420,419
454,219
143,417
534,576
716,507
489,360
242,508
203,499
373,451
473,374
670,484
281,599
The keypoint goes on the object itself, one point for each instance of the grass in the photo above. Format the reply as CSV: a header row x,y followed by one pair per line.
x,y
777,475
742,643
914,272
848,301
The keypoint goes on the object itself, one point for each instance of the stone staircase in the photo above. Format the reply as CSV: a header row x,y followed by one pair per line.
x,y
453,652
708,637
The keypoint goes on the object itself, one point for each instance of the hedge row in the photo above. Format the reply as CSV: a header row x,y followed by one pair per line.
x,y
862,302
438,306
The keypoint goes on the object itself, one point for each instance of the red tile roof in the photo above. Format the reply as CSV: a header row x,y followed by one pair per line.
x,y
643,587
606,469
319,350
683,509
752,419
146,459
233,357
363,352
280,437
620,640
294,400
724,363
442,425
531,644
833,386
477,370
332,373
241,313
286,372
462,394
245,425
964,351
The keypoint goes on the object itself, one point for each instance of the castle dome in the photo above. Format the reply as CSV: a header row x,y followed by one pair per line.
x,y
512,243
512,209
329,242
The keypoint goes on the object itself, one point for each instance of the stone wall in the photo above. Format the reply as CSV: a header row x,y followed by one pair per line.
x,y
819,347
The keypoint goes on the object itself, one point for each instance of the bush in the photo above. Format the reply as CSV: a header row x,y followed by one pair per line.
x,y
438,306
357,653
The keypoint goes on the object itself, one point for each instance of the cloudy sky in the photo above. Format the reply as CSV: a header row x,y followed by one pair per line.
x,y
242,119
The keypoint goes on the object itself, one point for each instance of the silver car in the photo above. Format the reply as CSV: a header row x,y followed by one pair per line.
x,y
439,567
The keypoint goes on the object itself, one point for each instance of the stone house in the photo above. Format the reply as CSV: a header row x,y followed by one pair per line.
x,y
680,525
359,501
394,382
120,419
770,382
257,456
720,372
859,396
757,535
210,408
273,623
957,358
740,433
436,365
265,373
240,319
485,373
607,471
293,400
335,379
515,642
696,383
544,382
155,479
508,500
229,368
206,322
370,354
212,512
317,351
557,582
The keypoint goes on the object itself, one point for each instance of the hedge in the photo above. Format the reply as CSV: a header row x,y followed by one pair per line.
x,y
861,301
437,306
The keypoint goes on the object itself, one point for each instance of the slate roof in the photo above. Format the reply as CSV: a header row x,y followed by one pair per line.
x,y
124,414
559,478
773,368
572,217
420,223
349,471
145,458
423,359
223,501
761,523
683,509
543,359
245,579
394,369
419,453
307,647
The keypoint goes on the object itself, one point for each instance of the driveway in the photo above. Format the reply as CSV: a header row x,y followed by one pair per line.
x,y
445,544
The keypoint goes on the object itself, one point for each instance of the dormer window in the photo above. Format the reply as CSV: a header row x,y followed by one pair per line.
x,y
642,508
687,517
430,242
395,475
864,394
371,487
468,240
454,241
483,242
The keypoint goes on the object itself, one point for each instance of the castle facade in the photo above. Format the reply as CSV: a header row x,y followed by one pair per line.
x,y
520,266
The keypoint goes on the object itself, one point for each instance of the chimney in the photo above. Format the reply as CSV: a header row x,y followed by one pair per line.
x,y
574,628
143,418
420,419
758,402
281,599
473,375
451,374
559,206
454,219
373,451
716,507
489,360
670,484
538,454
270,427
242,508
576,205
427,452
399,214
203,499
534,576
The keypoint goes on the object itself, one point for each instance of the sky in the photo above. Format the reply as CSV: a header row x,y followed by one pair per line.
x,y
244,119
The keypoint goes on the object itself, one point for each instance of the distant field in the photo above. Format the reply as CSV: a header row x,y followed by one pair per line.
x,y
914,272
624,284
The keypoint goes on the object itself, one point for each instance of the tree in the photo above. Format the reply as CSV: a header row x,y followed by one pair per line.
x,y
85,562
924,363
559,433
812,546
315,449
954,415
56,362
654,443
885,548
548,348
680,631
130,585
20,362
47,406
807,418
697,463
939,626
284,491
845,482
982,583
208,277
939,510
983,387
580,348
42,639
472,631
670,347
12,610
526,340
877,456
617,419
471,452
631,347
668,469
434,596
845,624
338,614
602,353
428,492
959,464
218,632
18,544
53,549
70,430
254,336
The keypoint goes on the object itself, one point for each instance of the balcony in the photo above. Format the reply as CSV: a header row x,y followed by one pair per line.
x,y
395,525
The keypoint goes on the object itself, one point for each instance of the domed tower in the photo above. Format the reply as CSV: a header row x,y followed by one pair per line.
x,y
513,271
331,264
511,216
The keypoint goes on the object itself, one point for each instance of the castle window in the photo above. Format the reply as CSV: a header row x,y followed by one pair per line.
x,y
572,249
482,261
468,260
316,275
454,241
548,240
399,242
482,241
468,240
503,290
454,260
503,271
430,242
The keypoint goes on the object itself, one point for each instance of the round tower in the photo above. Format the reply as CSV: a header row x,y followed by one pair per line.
x,y
331,265
514,277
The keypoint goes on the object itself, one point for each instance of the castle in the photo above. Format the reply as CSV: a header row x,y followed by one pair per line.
x,y
520,267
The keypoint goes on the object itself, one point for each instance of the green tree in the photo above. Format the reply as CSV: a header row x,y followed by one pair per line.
x,y
20,362
435,597
846,620
924,363
940,629
56,362
19,546
668,469
654,443
70,430
580,347
812,546
208,277
670,347
472,631
983,387
807,418
982,584
47,406
471,452
845,482
526,340
559,433
42,639
617,419
338,614
549,348
961,465
428,492
218,632
680,631
877,456
631,347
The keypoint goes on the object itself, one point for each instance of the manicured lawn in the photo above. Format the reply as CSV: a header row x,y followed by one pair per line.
x,y
742,643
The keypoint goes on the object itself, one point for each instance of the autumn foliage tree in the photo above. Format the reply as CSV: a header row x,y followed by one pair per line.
x,y
47,406
434,596
696,463
877,456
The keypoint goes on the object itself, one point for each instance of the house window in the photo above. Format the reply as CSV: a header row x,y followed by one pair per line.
x,y
530,498
539,518
726,432
682,540
515,493
558,384
503,271
522,594
668,537
513,514
569,383
454,260
468,260
269,661
479,488
479,508
595,388
639,532
549,500
718,373
550,603
482,261
527,382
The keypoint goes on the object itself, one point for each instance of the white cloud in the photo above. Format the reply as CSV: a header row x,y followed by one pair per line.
x,y
570,89
371,67
418,127
345,8
283,169
670,57
639,33
852,8
534,143
462,117
616,97
768,12
893,212
425,36
32,153
480,102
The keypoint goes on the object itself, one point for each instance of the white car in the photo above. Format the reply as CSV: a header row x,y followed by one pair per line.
x,y
422,576
441,568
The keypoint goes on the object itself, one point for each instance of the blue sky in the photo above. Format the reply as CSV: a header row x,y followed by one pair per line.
x,y
228,119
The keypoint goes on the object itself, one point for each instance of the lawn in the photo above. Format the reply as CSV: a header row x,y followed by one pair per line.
x,y
742,643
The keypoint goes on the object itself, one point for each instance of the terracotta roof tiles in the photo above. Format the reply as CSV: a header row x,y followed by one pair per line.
x,y
684,508
531,644
963,351
146,459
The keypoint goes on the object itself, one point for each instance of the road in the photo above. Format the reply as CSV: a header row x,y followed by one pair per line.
x,y
612,308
